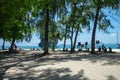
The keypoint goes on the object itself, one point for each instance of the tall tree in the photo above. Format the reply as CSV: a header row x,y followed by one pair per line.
x,y
50,8
99,5
46,29
78,19
12,19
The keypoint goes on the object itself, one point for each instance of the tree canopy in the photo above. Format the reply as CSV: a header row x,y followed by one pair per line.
x,y
53,19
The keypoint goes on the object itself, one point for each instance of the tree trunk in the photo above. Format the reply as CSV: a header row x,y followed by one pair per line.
x,y
12,45
71,38
65,39
46,32
75,39
78,28
94,30
53,45
3,46
15,45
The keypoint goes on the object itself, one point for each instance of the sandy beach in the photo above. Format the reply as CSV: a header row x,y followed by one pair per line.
x,y
60,66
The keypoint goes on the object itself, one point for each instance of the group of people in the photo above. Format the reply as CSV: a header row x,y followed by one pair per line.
x,y
104,48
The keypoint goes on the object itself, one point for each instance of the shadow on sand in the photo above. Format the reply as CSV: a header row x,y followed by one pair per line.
x,y
26,63
49,74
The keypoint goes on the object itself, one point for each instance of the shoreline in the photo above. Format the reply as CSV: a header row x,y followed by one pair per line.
x,y
113,50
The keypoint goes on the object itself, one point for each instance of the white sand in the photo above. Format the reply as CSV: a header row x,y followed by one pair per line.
x,y
116,50
81,66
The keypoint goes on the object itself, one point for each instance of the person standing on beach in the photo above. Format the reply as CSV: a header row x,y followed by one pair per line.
x,y
103,47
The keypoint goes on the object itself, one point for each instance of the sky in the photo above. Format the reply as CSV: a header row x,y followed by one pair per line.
x,y
83,37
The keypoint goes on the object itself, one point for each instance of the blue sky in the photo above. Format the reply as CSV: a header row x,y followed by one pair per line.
x,y
83,37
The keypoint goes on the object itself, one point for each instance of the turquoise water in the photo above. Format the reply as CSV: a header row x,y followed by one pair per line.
x,y
113,46
23,47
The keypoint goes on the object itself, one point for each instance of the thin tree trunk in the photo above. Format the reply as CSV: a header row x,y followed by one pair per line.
x,y
65,39
75,39
94,30
3,46
53,45
46,32
12,45
15,45
71,40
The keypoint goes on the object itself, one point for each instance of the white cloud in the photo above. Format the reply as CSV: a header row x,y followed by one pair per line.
x,y
113,35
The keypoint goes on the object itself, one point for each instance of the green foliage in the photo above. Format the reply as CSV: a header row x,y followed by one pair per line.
x,y
12,18
18,17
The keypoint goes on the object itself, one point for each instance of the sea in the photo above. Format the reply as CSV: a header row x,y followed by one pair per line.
x,y
113,46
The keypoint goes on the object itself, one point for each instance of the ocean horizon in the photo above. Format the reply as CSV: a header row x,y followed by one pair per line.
x,y
60,46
